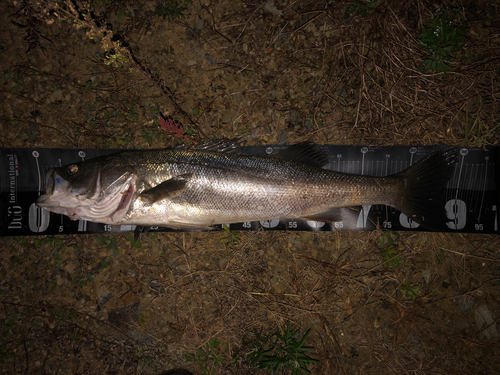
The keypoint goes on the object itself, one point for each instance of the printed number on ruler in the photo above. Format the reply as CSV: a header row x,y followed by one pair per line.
x,y
457,212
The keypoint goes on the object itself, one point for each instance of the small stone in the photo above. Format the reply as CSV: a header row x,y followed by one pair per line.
x,y
271,8
56,95
294,242
192,62
33,132
59,280
47,67
486,322
426,274
210,59
198,26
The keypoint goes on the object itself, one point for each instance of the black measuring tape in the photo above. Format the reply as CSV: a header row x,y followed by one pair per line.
x,y
471,195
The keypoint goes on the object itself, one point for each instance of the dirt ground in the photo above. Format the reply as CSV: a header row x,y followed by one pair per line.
x,y
98,74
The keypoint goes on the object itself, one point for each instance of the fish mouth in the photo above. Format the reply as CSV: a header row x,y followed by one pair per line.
x,y
53,197
108,206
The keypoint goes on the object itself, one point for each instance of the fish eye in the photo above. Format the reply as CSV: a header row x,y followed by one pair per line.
x,y
72,169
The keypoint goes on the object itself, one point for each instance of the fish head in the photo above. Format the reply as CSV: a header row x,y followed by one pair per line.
x,y
82,191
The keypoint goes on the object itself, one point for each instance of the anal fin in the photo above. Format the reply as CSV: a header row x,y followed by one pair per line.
x,y
188,227
333,214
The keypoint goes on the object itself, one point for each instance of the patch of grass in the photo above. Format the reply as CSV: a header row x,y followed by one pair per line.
x,y
15,259
389,249
5,354
443,41
123,140
154,110
21,241
150,136
110,242
9,323
105,117
365,8
191,133
288,353
410,291
88,86
441,257
121,15
245,130
57,244
479,135
115,59
172,9
20,86
231,238
105,264
207,357
130,237
197,111
151,360
119,141
279,352
319,123
72,315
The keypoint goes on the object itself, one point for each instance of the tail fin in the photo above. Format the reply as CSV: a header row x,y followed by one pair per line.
x,y
425,181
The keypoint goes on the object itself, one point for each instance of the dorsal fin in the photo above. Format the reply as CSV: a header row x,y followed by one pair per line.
x,y
306,152
226,146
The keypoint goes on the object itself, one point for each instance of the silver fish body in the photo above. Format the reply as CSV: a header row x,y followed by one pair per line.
x,y
192,188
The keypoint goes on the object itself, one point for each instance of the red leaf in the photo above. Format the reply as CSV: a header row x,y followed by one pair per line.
x,y
176,129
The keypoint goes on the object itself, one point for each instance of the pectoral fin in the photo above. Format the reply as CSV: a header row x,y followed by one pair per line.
x,y
166,190
140,230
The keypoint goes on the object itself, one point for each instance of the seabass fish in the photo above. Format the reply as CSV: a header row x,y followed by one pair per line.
x,y
196,188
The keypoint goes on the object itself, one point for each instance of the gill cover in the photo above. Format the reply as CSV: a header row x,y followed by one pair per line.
x,y
82,192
